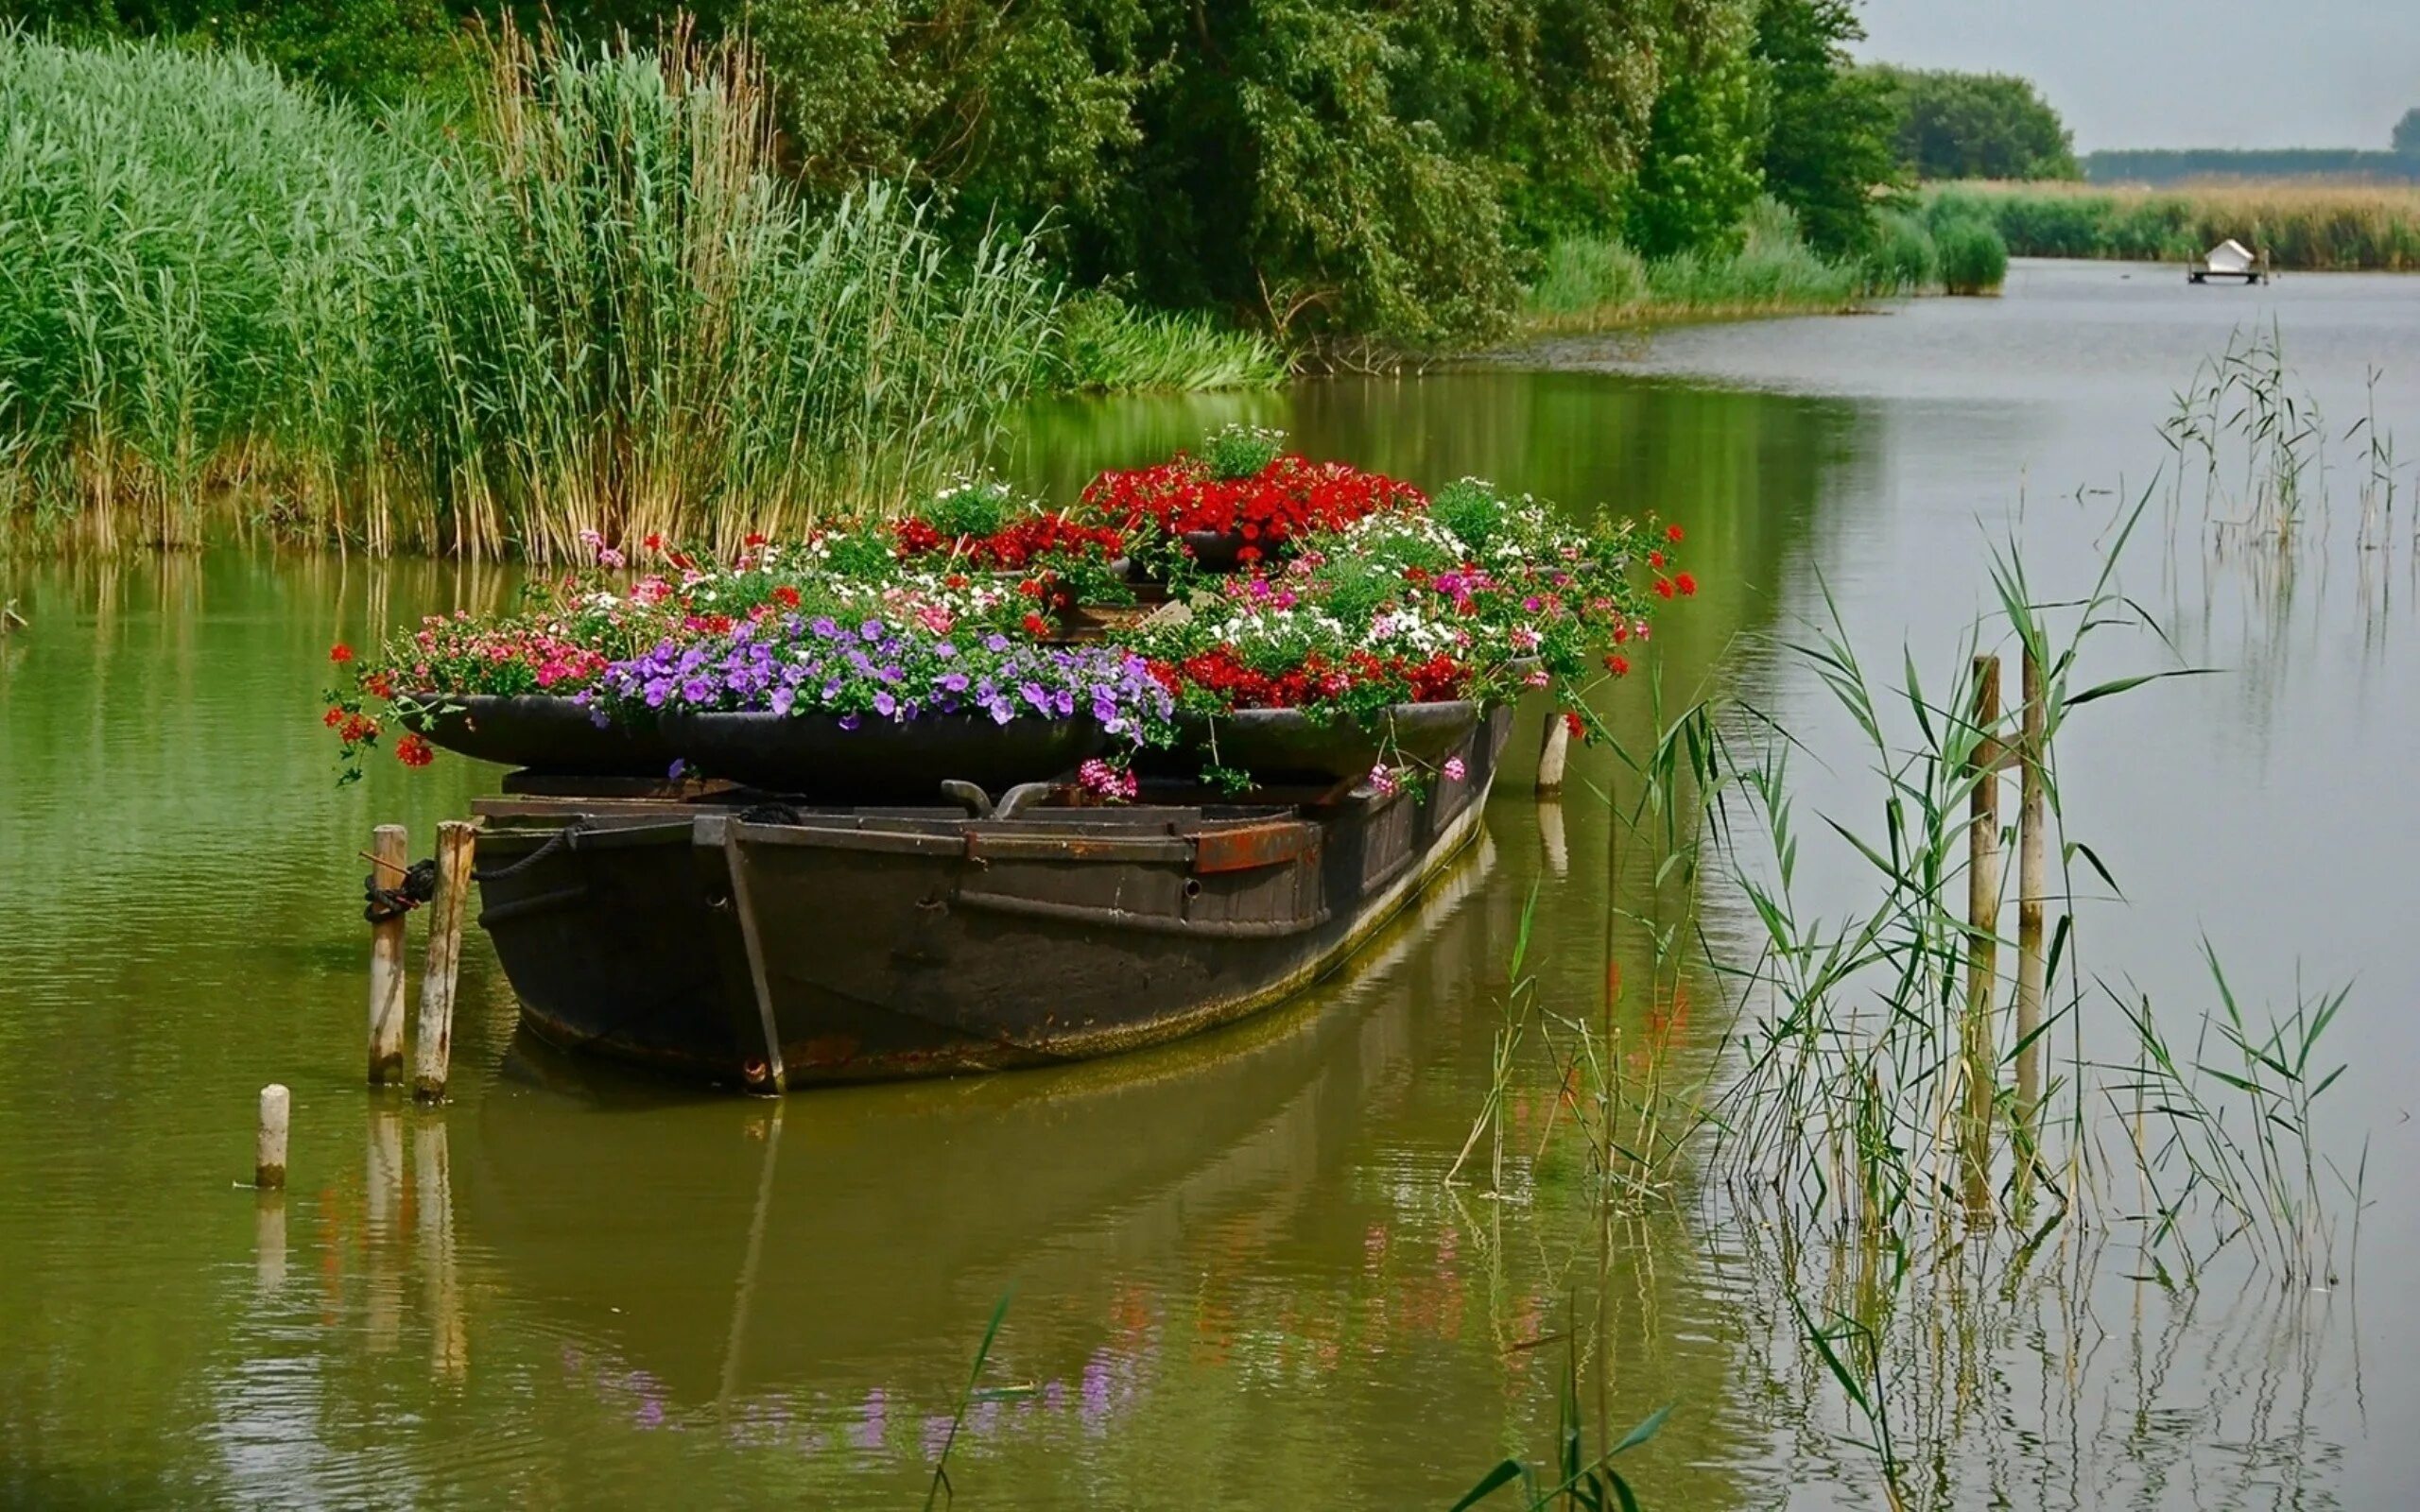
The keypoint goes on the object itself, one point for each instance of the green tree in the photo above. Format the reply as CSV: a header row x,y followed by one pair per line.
x,y
1830,128
2406,139
1978,125
1699,171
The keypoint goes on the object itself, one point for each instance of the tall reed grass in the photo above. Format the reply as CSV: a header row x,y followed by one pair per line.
x,y
2308,226
596,306
1593,281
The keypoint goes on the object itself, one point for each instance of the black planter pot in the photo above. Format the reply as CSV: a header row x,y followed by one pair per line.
x,y
540,731
1287,745
881,758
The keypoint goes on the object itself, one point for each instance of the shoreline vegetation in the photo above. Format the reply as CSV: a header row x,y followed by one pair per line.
x,y
2305,226
232,295
524,288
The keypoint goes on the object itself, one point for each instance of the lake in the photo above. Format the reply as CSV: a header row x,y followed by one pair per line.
x,y
1235,1272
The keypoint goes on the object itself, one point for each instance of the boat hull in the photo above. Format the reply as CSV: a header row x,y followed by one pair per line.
x,y
767,948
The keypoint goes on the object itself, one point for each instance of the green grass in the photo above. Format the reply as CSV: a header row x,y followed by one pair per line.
x,y
1595,282
1588,283
592,304
1109,346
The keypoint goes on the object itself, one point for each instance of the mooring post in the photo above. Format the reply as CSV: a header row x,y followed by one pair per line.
x,y
433,1052
2033,881
1553,753
1982,927
389,852
269,1141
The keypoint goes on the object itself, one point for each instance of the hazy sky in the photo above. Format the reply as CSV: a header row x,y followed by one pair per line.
x,y
2180,73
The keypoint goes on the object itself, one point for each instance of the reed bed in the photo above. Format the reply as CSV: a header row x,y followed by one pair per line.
x,y
1594,283
596,308
2305,226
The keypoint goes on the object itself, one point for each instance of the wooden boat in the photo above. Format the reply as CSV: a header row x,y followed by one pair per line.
x,y
751,943
2230,258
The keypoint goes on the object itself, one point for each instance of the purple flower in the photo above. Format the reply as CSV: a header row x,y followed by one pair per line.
x,y
850,721
824,627
951,681
871,630
884,705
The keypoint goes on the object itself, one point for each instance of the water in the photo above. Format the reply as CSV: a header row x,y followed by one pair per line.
x,y
1235,1275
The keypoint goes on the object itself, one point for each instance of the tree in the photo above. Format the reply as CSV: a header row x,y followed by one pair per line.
x,y
1978,125
2407,133
1699,170
1830,128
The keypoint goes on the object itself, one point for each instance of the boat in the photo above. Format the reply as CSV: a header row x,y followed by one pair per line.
x,y
755,940
2230,258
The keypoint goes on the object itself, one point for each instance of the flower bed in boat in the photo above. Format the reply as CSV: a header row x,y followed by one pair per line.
x,y
1364,627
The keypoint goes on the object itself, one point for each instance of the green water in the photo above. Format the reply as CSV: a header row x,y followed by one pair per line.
x,y
1236,1275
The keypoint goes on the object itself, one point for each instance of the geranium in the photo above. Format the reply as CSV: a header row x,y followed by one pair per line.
x,y
1285,496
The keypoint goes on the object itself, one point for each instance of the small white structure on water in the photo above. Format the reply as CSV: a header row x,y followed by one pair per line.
x,y
2229,259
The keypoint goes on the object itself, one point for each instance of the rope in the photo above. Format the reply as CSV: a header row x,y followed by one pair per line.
x,y
419,884
567,835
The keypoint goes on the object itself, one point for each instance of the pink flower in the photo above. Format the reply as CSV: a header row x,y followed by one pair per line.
x,y
1383,779
1454,769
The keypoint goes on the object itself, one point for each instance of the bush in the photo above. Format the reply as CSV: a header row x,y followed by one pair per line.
x,y
1903,259
1974,259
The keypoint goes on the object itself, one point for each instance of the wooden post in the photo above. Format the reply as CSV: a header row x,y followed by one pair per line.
x,y
1982,930
269,1141
2033,881
434,1052
1554,752
391,851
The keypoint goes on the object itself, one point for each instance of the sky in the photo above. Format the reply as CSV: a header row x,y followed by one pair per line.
x,y
2179,73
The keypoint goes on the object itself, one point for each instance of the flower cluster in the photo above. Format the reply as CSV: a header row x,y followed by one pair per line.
x,y
1351,591
1257,513
876,667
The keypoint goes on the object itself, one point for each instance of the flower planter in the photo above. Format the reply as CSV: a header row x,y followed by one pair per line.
x,y
1279,745
541,731
881,758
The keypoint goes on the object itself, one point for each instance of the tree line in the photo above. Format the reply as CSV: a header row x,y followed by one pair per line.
x,y
1310,167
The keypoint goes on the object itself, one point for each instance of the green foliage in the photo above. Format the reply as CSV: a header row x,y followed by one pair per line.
x,y
1700,169
371,49
1972,256
2404,139
601,311
1242,450
1903,258
1829,140
1977,126
1109,345
1594,282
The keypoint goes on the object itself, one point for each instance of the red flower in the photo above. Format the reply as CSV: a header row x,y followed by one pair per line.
x,y
753,539
380,684
1618,664
1664,587
357,729
654,541
1687,583
332,718
785,596
1572,722
1036,626
1655,559
413,750
1672,533
340,653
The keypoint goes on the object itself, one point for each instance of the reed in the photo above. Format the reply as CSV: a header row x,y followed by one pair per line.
x,y
1593,282
596,308
2300,224
1109,346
